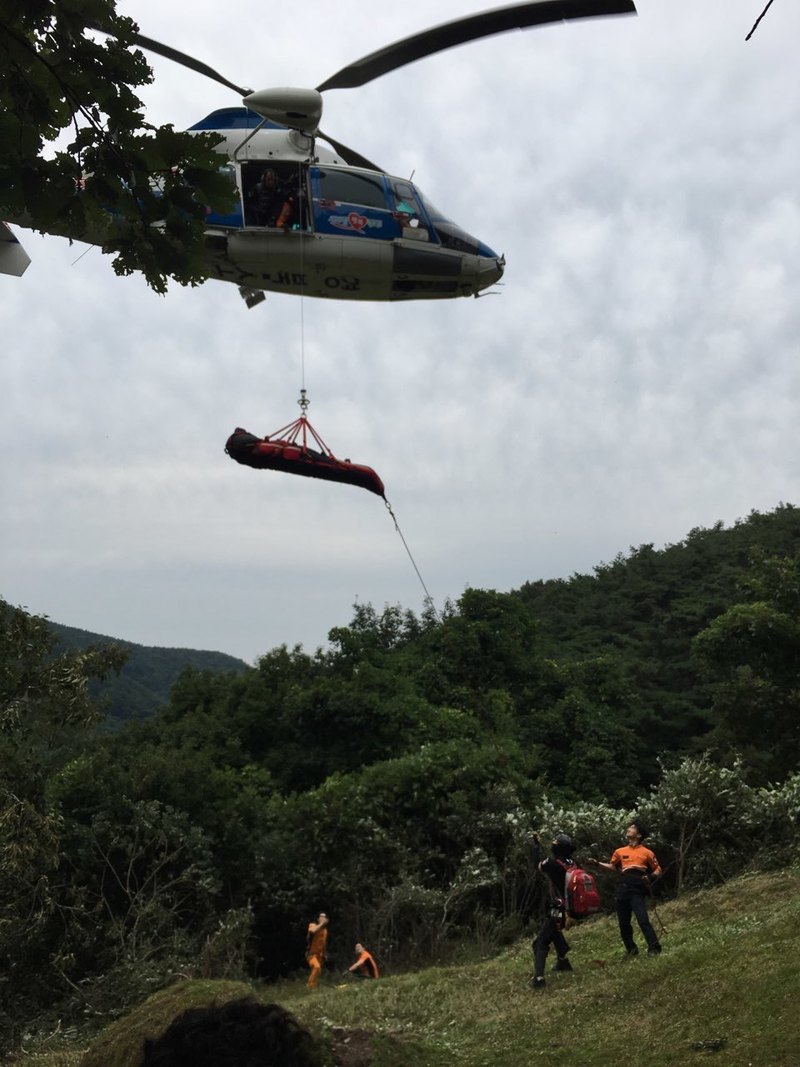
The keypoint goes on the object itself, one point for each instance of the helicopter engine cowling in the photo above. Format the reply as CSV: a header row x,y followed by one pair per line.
x,y
299,109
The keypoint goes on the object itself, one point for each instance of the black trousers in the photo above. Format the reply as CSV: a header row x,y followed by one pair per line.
x,y
632,900
550,934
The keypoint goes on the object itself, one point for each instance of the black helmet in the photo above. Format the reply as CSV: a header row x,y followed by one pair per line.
x,y
563,846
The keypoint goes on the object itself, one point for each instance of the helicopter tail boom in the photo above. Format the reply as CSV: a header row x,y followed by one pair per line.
x,y
14,259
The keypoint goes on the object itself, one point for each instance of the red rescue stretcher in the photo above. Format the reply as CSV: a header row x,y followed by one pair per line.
x,y
287,450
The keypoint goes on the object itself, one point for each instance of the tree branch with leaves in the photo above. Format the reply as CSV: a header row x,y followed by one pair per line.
x,y
79,158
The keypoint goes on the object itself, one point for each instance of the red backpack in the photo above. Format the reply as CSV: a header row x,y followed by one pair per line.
x,y
581,897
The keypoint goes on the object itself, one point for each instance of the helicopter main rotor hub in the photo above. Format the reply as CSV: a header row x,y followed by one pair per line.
x,y
299,109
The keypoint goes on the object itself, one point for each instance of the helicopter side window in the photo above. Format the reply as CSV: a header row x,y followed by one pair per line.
x,y
357,203
234,216
352,203
404,200
407,212
343,187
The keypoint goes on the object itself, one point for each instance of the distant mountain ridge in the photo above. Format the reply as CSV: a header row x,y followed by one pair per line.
x,y
143,684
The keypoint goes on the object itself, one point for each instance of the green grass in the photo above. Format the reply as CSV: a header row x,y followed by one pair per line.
x,y
725,990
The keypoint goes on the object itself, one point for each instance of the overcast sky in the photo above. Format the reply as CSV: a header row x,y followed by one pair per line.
x,y
638,376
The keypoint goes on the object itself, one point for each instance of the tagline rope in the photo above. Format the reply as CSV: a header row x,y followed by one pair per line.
x,y
428,597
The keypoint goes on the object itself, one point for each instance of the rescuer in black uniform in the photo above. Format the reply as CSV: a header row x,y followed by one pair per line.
x,y
551,933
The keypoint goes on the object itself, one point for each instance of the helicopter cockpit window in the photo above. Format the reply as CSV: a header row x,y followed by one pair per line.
x,y
275,195
450,234
407,211
404,200
350,187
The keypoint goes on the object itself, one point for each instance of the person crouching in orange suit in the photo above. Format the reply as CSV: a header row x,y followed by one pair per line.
x,y
365,965
317,945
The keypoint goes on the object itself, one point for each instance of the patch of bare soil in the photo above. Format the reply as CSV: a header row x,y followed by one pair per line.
x,y
352,1048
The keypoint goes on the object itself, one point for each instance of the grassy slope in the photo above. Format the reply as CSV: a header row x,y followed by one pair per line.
x,y
726,989
729,976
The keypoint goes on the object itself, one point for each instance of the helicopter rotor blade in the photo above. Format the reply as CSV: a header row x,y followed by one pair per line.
x,y
472,28
349,155
177,57
187,61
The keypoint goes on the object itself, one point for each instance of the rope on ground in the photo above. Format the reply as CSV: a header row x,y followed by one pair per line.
x,y
659,920
428,597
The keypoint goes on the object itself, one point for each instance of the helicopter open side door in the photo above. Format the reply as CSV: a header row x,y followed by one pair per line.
x,y
275,194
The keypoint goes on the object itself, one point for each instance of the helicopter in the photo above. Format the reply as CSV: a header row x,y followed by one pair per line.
x,y
319,219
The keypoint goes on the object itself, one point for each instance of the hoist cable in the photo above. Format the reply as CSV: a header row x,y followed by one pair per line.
x,y
304,402
300,205
428,597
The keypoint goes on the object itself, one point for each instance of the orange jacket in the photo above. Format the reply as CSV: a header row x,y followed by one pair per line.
x,y
366,965
635,858
318,940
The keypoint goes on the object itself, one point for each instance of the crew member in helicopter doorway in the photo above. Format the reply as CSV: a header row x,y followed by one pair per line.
x,y
271,202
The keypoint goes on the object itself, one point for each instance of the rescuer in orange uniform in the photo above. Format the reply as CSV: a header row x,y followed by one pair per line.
x,y
365,965
638,868
316,949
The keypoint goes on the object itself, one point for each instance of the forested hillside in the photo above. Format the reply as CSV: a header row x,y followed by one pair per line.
x,y
644,609
143,683
395,778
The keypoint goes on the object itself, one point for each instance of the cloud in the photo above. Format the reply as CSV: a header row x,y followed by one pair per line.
x,y
637,377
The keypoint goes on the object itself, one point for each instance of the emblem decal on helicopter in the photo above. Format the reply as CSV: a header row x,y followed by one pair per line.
x,y
355,223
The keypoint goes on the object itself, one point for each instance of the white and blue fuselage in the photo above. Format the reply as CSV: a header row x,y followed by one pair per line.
x,y
355,233
349,233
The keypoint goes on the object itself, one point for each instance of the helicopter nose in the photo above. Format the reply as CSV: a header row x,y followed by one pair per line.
x,y
490,272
